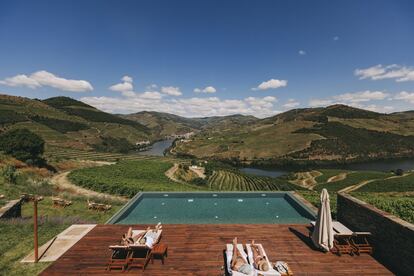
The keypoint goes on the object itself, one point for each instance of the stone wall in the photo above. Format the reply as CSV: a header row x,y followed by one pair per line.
x,y
392,237
13,209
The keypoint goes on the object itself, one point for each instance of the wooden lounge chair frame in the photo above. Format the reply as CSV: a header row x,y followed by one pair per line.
x,y
349,242
98,206
118,261
359,241
342,244
140,255
59,202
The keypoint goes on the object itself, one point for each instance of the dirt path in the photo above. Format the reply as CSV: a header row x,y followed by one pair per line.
x,y
365,182
338,177
171,171
62,181
307,179
199,172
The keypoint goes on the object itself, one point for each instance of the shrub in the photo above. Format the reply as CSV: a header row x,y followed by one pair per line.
x,y
23,145
9,174
199,181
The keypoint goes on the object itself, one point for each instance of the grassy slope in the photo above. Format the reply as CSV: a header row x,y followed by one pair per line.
x,y
75,124
243,141
397,184
352,179
16,239
326,174
129,177
352,133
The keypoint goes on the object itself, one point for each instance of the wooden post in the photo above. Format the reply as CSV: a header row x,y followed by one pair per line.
x,y
36,250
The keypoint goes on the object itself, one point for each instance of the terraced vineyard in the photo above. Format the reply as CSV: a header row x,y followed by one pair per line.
x,y
56,153
223,180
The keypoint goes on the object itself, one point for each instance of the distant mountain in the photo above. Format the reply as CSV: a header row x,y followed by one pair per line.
x,y
335,133
66,122
164,124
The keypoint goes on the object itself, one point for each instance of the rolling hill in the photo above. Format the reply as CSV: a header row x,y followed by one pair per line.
x,y
65,122
336,133
165,124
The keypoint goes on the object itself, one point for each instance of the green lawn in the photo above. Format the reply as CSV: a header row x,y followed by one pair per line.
x,y
397,184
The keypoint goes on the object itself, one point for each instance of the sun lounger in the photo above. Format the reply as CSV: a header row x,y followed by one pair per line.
x,y
59,202
98,206
359,241
229,256
271,271
119,257
140,254
342,238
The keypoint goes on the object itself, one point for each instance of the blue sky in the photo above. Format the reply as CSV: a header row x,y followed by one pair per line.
x,y
202,58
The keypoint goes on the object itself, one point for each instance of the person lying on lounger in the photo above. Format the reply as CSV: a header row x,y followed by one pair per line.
x,y
238,263
260,262
147,237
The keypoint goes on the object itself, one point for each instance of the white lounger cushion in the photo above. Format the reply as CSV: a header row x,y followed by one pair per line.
x,y
271,271
338,227
136,244
229,257
341,229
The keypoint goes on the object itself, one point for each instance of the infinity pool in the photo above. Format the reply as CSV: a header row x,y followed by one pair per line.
x,y
213,208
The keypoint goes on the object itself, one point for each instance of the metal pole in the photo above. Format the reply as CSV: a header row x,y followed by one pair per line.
x,y
36,251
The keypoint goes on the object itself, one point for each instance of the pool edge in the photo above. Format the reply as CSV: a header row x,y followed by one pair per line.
x,y
292,195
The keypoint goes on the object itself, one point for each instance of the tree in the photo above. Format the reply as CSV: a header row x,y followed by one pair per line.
x,y
23,145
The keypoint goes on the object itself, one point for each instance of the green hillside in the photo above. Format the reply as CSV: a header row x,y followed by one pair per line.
x,y
165,124
312,135
67,123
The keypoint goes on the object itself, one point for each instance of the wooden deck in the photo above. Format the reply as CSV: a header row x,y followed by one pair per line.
x,y
198,250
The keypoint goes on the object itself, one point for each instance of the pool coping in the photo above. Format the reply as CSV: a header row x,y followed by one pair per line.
x,y
303,203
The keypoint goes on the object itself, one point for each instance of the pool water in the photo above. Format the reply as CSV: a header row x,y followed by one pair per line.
x,y
213,208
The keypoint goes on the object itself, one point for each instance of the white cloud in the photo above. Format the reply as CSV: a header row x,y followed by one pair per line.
x,y
335,38
405,96
302,52
125,87
291,103
127,79
379,72
171,90
363,96
189,107
271,84
351,98
208,89
44,78
319,102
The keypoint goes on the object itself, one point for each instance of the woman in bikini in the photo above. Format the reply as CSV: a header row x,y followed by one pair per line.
x,y
238,263
259,259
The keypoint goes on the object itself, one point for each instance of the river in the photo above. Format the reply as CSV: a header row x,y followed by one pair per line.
x,y
158,148
380,165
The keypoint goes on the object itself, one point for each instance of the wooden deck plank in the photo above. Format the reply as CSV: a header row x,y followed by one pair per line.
x,y
198,250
